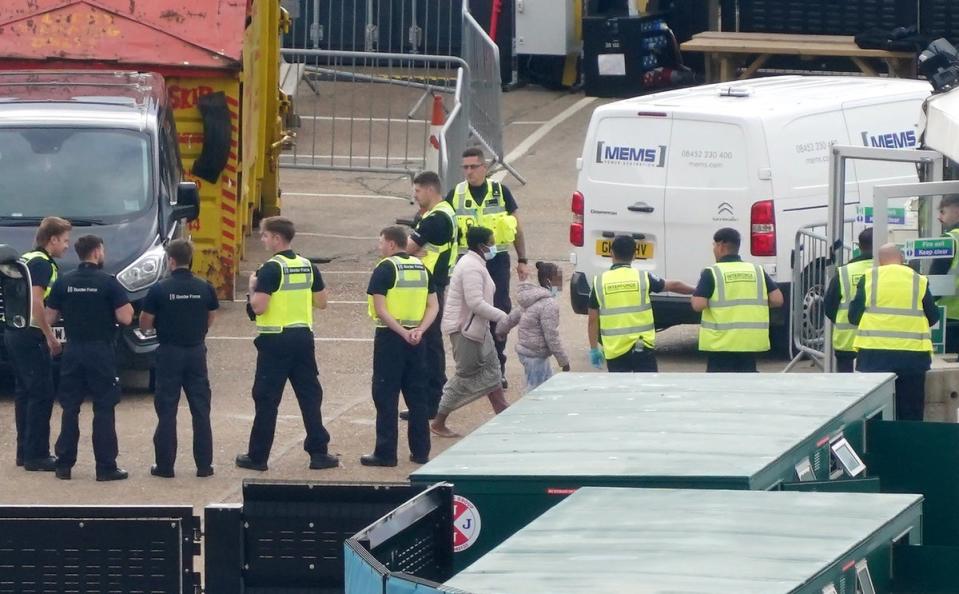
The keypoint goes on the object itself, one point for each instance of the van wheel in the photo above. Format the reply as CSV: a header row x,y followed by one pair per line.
x,y
809,328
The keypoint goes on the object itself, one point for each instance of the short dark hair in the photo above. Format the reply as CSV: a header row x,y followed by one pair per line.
x,y
396,234
49,228
729,236
181,250
477,236
429,179
949,200
474,151
865,239
282,226
86,245
624,247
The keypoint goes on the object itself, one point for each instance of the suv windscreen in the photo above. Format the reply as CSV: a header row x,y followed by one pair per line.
x,y
95,174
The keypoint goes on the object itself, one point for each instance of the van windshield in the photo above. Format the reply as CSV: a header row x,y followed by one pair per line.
x,y
103,176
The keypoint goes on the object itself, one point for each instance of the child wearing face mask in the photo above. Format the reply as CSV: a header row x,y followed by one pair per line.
x,y
538,319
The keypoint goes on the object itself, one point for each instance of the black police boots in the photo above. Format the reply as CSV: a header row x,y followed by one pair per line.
x,y
117,474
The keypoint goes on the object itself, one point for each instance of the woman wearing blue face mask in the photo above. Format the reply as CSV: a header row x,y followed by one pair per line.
x,y
467,314
538,320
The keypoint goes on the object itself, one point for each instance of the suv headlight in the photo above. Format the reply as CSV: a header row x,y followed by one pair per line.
x,y
144,271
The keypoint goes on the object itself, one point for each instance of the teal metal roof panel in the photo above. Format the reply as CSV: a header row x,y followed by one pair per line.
x,y
660,425
665,541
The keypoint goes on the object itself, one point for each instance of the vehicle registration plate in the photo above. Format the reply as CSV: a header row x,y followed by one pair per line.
x,y
60,333
644,249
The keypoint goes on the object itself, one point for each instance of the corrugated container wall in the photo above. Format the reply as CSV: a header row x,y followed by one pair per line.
x,y
200,47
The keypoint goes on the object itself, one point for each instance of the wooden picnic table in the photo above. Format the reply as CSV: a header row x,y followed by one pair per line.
x,y
730,48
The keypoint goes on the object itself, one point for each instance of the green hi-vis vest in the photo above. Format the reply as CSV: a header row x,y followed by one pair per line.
x,y
490,214
291,306
894,319
625,312
843,332
433,251
406,299
951,302
737,317
26,259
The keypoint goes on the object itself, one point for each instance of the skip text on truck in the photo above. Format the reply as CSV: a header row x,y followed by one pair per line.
x,y
671,168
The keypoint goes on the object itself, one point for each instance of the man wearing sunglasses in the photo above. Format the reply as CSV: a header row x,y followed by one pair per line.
x,y
482,202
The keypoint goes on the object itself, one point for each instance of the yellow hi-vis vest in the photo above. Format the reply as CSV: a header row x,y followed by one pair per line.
x,y
406,299
894,319
625,312
291,306
737,317
29,257
433,251
490,214
951,302
844,332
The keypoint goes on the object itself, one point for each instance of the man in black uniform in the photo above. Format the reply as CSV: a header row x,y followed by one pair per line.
x,y
181,308
433,242
403,305
479,201
283,293
31,349
92,303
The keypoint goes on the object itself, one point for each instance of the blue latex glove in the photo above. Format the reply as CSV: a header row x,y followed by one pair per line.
x,y
596,358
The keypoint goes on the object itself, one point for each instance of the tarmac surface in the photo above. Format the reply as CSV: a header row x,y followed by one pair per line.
x,y
339,215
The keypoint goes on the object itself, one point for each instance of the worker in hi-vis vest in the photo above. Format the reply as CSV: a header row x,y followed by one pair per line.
x,y
949,217
402,303
482,202
622,329
734,298
433,241
839,294
894,311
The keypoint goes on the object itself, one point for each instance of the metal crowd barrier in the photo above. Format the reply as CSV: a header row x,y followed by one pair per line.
x,y
370,112
362,75
811,266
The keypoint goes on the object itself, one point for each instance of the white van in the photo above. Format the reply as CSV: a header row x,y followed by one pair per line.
x,y
673,167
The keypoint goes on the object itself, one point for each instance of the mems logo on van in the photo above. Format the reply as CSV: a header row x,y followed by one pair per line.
x,y
904,139
651,156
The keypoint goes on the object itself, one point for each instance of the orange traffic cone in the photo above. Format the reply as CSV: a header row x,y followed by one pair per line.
x,y
437,121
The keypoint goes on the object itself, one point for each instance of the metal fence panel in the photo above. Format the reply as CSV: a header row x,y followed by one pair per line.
x,y
365,111
812,259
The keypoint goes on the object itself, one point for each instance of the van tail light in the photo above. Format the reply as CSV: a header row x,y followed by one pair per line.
x,y
762,228
578,206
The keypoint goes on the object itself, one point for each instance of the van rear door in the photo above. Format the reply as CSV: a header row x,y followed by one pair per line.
x,y
708,188
624,189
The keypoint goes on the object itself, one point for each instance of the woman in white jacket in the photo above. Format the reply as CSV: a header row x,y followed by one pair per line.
x,y
466,321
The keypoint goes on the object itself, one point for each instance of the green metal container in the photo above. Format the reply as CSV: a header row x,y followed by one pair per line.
x,y
684,430
664,541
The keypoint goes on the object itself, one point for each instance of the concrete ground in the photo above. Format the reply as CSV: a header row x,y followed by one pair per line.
x,y
338,215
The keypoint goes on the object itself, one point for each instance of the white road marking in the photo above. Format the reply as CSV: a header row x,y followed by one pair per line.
x,y
528,123
294,157
314,195
540,133
334,236
315,339
374,120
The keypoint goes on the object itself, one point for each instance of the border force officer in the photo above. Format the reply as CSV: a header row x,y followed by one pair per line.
x,y
92,302
181,308
31,350
284,292
403,305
